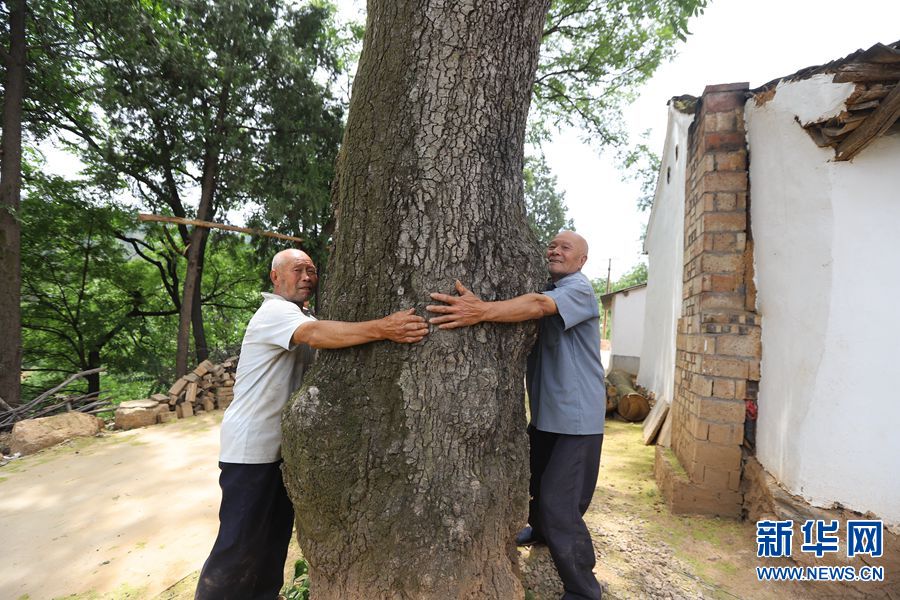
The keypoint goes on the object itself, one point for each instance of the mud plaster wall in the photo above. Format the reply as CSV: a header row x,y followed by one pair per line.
x,y
827,242
664,246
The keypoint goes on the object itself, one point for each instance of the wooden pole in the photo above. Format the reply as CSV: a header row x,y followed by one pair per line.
x,y
143,217
606,312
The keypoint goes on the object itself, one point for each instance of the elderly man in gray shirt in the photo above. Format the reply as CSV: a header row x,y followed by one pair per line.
x,y
568,404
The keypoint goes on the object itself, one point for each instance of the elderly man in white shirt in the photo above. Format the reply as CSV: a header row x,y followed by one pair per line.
x,y
256,516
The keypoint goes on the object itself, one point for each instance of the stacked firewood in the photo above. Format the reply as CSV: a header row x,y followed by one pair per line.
x,y
207,387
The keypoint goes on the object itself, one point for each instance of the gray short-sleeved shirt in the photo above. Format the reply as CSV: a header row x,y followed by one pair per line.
x,y
565,375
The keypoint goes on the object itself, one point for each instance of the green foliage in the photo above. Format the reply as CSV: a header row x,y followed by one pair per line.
x,y
595,53
78,291
544,202
162,100
636,276
298,589
594,56
89,300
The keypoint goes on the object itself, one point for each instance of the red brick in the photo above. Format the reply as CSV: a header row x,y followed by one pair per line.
x,y
724,283
724,141
721,263
721,300
725,221
728,241
731,161
723,181
728,121
722,101
740,86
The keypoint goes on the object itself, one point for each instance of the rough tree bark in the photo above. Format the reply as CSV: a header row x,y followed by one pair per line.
x,y
10,193
408,464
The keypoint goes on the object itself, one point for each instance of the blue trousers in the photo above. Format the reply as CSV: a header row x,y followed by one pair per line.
x,y
255,523
563,477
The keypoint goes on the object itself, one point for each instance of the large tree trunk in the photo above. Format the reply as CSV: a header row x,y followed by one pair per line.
x,y
10,192
408,464
201,348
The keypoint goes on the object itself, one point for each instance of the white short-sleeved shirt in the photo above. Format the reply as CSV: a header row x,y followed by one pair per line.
x,y
270,369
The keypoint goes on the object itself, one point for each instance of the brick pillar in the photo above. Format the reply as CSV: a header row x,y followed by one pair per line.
x,y
718,342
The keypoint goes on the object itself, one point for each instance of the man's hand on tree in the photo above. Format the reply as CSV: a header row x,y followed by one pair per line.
x,y
404,327
458,311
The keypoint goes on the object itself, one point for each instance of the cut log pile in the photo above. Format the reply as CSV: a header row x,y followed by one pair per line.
x,y
208,387
624,398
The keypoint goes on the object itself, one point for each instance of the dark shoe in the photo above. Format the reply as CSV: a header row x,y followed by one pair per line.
x,y
526,537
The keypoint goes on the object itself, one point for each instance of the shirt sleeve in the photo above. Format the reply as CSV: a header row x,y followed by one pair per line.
x,y
575,303
277,324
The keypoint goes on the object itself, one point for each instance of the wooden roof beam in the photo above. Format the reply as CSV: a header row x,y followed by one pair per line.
x,y
881,119
144,217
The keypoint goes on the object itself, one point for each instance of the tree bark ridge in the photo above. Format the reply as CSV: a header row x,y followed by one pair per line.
x,y
408,464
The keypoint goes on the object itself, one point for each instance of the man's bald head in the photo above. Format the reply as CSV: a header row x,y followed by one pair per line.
x,y
566,254
294,276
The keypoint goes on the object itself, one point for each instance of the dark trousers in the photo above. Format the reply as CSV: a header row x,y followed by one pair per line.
x,y
563,477
255,523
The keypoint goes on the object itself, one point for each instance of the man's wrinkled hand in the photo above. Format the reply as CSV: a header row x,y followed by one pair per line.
x,y
404,327
457,311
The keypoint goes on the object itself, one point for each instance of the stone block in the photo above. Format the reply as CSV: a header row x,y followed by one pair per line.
x,y
132,417
722,388
728,434
731,161
748,345
31,435
725,221
721,411
166,417
177,387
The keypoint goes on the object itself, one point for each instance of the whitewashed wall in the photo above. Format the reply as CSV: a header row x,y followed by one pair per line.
x,y
627,329
664,246
827,259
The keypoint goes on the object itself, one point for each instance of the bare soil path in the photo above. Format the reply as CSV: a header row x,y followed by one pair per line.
x,y
132,515
125,515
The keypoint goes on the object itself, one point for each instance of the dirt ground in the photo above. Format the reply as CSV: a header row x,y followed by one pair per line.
x,y
133,515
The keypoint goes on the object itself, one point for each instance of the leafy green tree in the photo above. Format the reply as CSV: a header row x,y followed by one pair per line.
x,y
544,202
595,53
80,291
92,295
198,100
635,276
13,54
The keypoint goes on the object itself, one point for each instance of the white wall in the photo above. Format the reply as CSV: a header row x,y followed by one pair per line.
x,y
827,259
628,327
664,246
